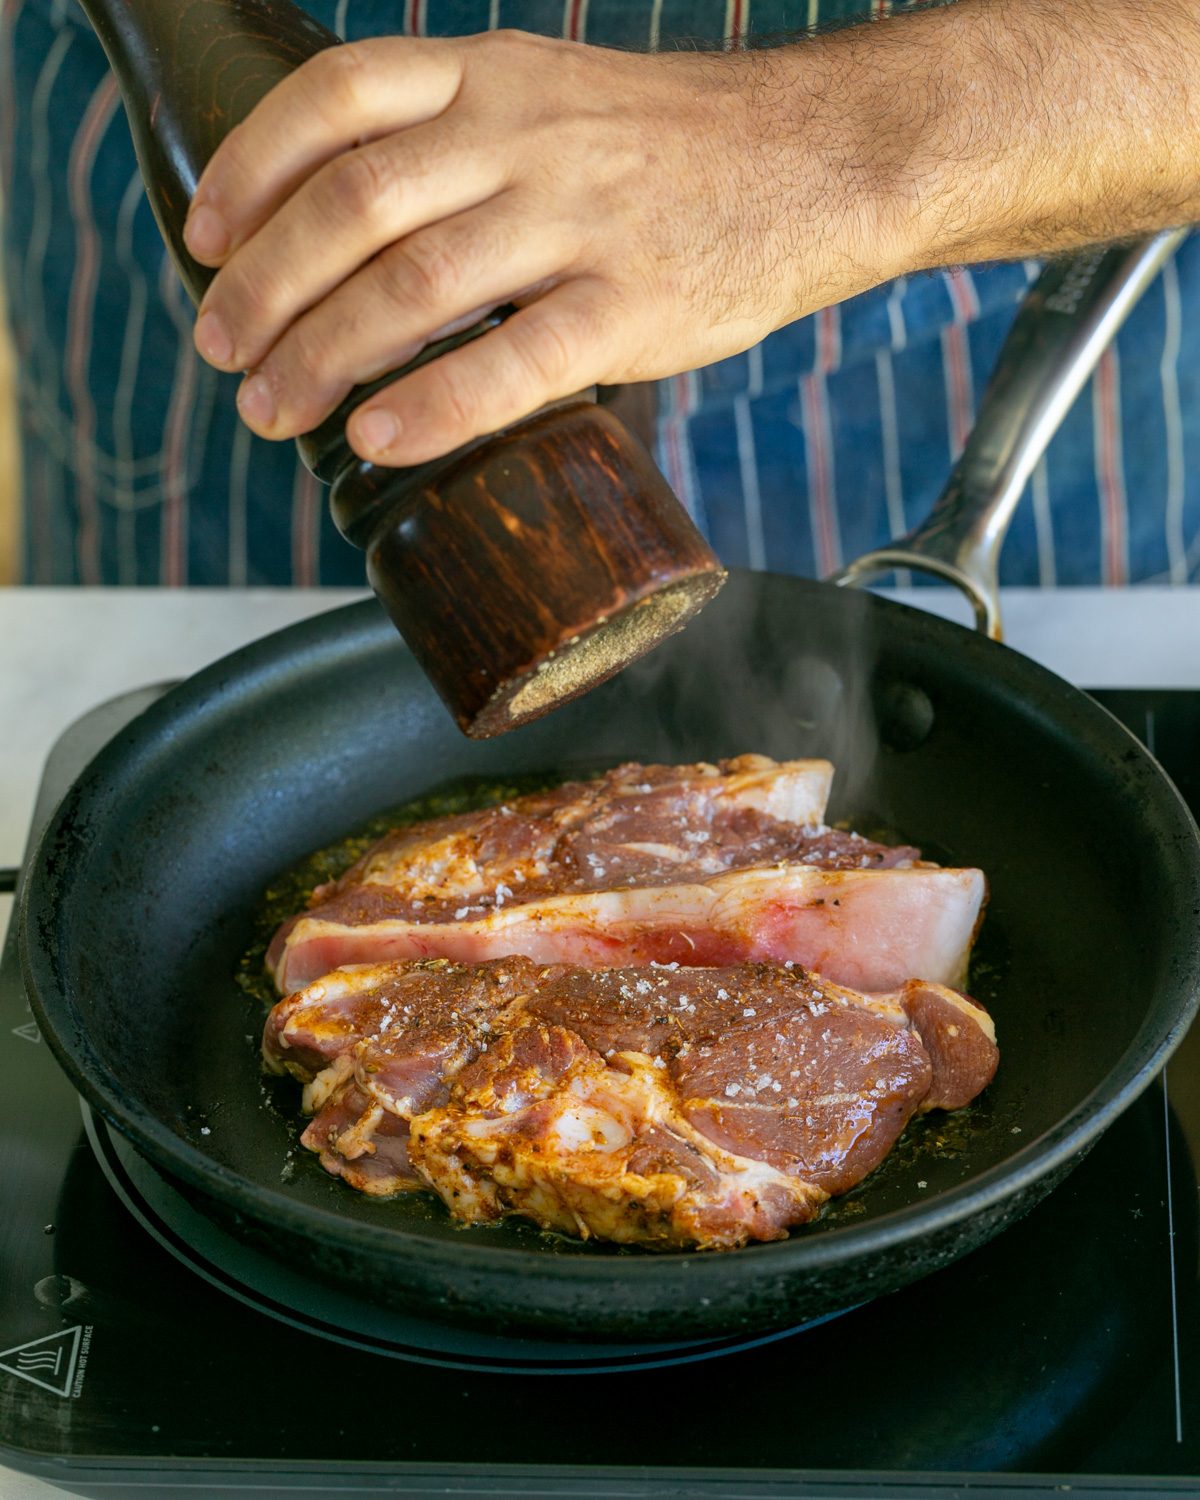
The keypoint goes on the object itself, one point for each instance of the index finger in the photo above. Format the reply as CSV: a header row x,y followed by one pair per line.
x,y
338,99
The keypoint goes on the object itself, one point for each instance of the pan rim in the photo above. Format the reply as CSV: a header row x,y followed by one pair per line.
x,y
1068,1139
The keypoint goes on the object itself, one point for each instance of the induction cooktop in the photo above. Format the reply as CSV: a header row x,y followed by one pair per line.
x,y
142,1353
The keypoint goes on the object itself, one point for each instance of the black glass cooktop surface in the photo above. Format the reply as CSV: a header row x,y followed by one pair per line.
x,y
138,1358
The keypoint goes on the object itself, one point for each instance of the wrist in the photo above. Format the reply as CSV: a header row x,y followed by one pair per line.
x,y
848,214
996,129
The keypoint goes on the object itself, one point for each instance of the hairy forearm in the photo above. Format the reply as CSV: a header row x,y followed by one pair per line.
x,y
993,129
650,214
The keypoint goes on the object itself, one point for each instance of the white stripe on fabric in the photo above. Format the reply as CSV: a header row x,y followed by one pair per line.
x,y
239,471
756,552
754,371
655,26
737,21
1173,417
889,429
814,15
339,18
895,311
494,15
1043,521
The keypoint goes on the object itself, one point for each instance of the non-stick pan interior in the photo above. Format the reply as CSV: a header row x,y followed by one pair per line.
x,y
141,900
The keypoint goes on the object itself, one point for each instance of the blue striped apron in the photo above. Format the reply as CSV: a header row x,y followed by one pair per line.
x,y
829,437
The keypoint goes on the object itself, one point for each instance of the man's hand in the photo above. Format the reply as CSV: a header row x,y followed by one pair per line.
x,y
640,209
650,214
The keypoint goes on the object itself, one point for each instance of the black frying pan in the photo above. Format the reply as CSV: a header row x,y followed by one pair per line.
x,y
140,897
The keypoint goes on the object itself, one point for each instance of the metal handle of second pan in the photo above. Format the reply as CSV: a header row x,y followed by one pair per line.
x,y
1068,318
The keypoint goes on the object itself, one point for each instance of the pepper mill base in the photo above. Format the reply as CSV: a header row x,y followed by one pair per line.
x,y
594,656
539,565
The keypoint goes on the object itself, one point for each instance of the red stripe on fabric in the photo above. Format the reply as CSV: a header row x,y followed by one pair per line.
x,y
956,359
964,298
574,17
677,472
958,389
415,20
1112,480
882,8
173,550
815,398
305,516
829,340
81,307
736,13
10,11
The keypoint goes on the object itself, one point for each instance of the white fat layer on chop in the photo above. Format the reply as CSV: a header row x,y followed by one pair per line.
x,y
870,929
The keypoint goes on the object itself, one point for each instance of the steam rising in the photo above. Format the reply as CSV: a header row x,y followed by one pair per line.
x,y
776,666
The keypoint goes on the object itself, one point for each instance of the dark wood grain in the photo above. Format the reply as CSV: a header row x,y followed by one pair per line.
x,y
190,70
531,553
521,569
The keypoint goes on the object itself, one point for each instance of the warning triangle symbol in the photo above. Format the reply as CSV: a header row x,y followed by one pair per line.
x,y
29,1031
48,1362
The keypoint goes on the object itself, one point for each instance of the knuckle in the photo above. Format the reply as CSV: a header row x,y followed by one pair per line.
x,y
427,267
505,54
509,41
253,304
357,181
310,357
232,162
455,399
548,346
339,79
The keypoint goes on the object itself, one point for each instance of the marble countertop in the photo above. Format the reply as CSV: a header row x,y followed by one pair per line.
x,y
68,650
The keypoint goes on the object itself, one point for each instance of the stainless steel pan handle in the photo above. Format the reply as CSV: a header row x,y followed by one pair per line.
x,y
1068,318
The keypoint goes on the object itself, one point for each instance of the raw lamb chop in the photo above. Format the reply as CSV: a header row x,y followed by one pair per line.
x,y
665,1107
697,864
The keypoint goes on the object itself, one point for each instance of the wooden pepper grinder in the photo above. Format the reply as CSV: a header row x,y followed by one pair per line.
x,y
525,567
